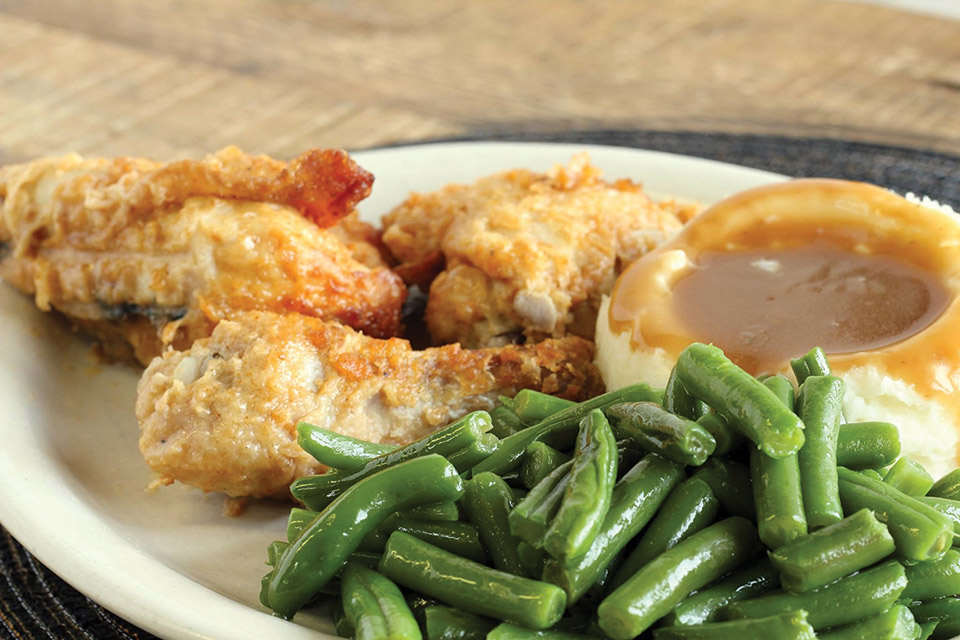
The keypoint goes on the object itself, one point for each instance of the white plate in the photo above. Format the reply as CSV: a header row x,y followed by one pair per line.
x,y
73,485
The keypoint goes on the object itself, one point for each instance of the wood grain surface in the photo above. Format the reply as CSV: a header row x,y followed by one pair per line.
x,y
168,78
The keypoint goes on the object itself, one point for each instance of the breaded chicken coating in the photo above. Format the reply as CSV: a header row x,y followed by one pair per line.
x,y
145,254
523,254
221,415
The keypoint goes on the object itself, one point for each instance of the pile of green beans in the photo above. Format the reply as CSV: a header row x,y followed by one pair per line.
x,y
724,507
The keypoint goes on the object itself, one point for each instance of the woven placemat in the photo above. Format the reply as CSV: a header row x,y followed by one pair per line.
x,y
35,603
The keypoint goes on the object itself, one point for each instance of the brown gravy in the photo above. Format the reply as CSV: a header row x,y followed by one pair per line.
x,y
763,307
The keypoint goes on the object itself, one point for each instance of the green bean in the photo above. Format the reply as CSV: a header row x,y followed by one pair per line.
x,y
867,445
538,462
741,399
920,531
505,422
836,550
506,631
627,456
777,494
896,623
730,482
299,520
336,450
636,498
319,551
945,611
528,520
587,497
316,492
752,580
662,584
418,603
460,538
783,389
533,406
447,623
440,512
689,508
477,451
949,508
814,363
469,585
727,439
656,430
934,579
532,559
677,400
909,477
560,429
375,607
785,626
927,629
365,558
947,487
274,550
341,624
487,502
820,407
861,595
873,473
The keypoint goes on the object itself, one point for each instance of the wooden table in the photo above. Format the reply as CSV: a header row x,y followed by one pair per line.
x,y
168,78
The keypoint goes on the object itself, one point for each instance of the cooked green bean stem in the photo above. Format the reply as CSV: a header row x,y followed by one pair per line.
x,y
949,508
505,422
507,631
689,508
821,409
528,520
777,494
852,598
934,579
909,477
560,430
315,556
730,482
656,430
867,445
678,400
783,389
533,406
753,579
896,623
662,584
336,450
741,399
375,607
920,531
727,439
447,623
475,452
440,512
814,363
826,555
469,585
487,501
316,492
785,626
538,462
636,499
587,497
947,487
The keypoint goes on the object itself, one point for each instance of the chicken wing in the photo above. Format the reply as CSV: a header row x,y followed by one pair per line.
x,y
221,416
144,254
524,254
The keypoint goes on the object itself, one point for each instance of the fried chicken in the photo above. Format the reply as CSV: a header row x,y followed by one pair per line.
x,y
144,254
524,254
221,416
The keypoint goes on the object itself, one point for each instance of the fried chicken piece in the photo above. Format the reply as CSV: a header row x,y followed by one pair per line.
x,y
221,416
523,253
143,254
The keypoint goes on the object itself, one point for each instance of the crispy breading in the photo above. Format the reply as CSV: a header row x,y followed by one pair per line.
x,y
523,253
144,254
221,415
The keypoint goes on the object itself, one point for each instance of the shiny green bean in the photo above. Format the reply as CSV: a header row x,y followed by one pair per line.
x,y
783,389
469,585
505,422
447,623
934,579
375,607
477,451
896,623
487,502
440,512
945,611
909,477
867,445
336,450
533,406
823,556
727,439
745,403
677,400
753,579
530,518
538,462
785,626
532,559
654,429
777,495
341,625
813,363
460,538
947,487
949,508
927,629
730,482
821,408
661,585
507,631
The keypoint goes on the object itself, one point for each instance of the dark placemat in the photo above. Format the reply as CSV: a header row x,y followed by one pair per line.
x,y
35,603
